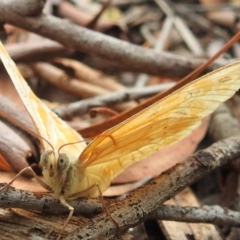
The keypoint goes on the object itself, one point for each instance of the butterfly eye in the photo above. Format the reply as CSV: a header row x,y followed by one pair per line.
x,y
44,158
63,161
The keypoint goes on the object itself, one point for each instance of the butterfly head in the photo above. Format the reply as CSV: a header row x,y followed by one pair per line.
x,y
54,162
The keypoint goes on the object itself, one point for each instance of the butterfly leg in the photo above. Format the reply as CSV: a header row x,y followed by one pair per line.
x,y
106,209
79,194
43,184
71,209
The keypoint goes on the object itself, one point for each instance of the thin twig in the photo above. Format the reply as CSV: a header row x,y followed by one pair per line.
x,y
61,80
69,110
158,47
206,214
184,31
90,75
36,51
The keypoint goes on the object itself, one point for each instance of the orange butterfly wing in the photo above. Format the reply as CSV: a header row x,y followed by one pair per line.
x,y
160,125
47,123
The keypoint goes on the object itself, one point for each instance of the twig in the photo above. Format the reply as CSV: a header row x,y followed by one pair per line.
x,y
200,20
87,74
206,214
61,80
158,47
165,32
144,30
182,29
36,51
68,110
43,202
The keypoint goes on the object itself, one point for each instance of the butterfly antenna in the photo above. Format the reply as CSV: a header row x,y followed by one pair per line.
x,y
85,140
39,136
66,144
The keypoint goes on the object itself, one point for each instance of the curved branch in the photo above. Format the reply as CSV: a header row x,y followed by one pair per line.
x,y
142,203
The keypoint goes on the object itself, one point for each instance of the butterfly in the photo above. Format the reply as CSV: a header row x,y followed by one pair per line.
x,y
71,168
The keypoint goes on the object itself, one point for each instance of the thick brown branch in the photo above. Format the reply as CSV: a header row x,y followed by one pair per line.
x,y
42,202
130,56
141,204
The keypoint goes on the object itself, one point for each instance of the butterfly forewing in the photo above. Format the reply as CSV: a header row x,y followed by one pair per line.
x,y
48,125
